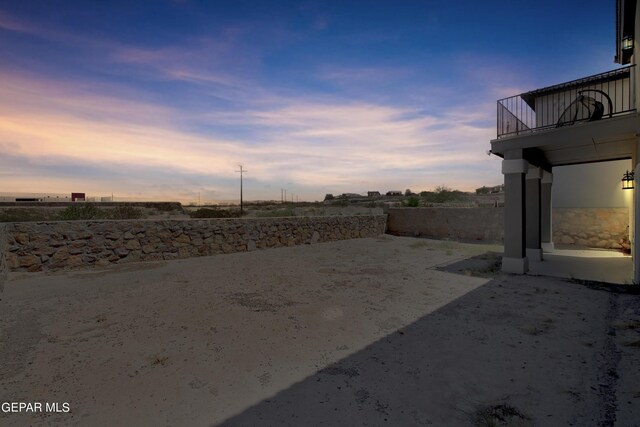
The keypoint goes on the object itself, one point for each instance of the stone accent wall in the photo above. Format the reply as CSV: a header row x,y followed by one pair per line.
x,y
448,223
69,244
592,227
3,259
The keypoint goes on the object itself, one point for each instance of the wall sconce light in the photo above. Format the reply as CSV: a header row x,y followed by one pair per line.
x,y
627,43
627,180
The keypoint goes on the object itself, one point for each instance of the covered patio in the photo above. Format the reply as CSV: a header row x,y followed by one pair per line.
x,y
534,139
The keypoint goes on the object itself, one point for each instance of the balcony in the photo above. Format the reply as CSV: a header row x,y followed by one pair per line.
x,y
592,98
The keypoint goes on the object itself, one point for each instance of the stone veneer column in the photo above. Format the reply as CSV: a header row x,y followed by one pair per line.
x,y
546,210
532,202
514,170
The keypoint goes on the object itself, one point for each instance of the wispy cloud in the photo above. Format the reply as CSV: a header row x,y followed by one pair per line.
x,y
329,146
113,136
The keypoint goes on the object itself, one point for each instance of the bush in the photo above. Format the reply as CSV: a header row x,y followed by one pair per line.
x,y
443,194
214,213
82,212
26,214
125,212
412,202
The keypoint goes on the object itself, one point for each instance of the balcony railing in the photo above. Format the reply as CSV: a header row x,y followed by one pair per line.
x,y
596,97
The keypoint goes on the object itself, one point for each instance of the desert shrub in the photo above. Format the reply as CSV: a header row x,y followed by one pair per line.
x,y
214,213
125,212
82,212
443,194
412,202
25,214
166,207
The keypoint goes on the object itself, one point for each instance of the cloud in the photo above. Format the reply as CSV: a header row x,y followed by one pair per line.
x,y
317,146
11,23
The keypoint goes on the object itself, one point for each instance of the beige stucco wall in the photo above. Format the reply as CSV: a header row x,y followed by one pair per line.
x,y
448,223
591,227
591,185
70,244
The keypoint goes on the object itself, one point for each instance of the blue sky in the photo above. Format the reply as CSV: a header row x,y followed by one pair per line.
x,y
161,100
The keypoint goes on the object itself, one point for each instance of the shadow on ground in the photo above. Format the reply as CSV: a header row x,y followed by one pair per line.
x,y
487,264
516,351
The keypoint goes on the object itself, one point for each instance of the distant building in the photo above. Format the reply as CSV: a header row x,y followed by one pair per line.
x,y
373,194
349,195
78,197
496,189
394,193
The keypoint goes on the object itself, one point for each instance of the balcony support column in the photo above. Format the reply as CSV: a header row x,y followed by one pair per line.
x,y
635,220
514,169
532,203
546,212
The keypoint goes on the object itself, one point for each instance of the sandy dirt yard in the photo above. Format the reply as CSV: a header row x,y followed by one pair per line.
x,y
386,331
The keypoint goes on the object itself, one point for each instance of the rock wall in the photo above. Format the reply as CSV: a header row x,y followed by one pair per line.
x,y
69,244
3,259
448,223
592,227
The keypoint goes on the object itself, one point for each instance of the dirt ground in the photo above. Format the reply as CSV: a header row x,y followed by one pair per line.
x,y
386,331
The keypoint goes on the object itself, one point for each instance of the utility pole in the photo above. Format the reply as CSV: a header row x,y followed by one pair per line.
x,y
241,171
285,196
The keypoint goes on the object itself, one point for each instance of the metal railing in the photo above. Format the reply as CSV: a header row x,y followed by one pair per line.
x,y
591,98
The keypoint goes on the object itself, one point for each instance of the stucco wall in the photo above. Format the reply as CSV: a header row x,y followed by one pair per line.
x,y
69,244
591,185
592,227
448,223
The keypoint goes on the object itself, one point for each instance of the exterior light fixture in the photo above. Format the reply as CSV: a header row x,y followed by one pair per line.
x,y
627,180
627,43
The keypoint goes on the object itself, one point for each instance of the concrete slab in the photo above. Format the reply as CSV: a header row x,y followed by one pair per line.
x,y
360,332
586,264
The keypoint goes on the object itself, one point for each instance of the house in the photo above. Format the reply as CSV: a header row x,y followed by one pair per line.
x,y
394,193
581,122
373,194
496,189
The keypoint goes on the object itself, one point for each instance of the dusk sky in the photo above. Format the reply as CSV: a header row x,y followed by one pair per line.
x,y
161,100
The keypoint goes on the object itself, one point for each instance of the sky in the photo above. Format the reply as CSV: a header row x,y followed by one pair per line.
x,y
162,100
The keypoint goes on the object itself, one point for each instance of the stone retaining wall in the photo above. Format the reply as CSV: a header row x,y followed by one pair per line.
x,y
3,259
592,227
68,244
448,223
